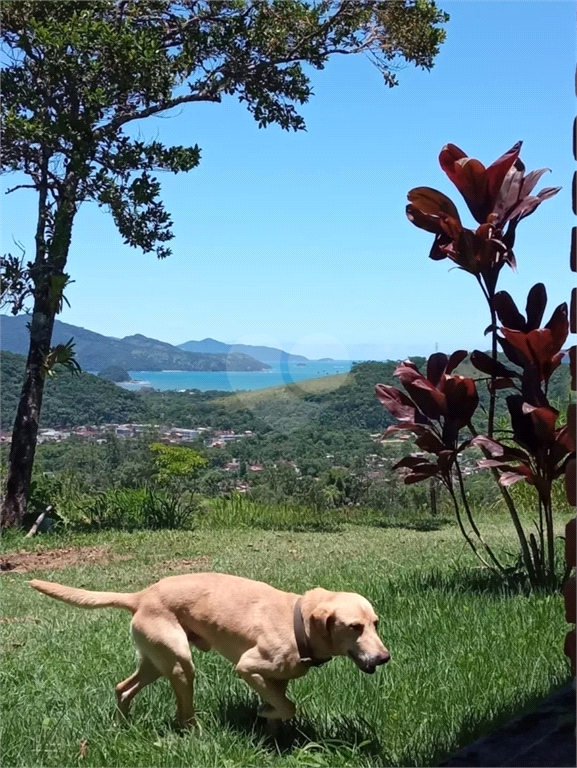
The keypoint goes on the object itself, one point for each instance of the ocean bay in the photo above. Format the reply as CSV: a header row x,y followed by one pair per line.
x,y
279,374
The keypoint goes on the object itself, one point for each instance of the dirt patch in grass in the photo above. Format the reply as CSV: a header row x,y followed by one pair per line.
x,y
198,564
21,562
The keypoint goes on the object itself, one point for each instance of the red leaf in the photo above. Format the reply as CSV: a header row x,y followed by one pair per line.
x,y
470,178
529,204
497,171
544,420
412,462
497,384
564,445
436,365
536,303
559,325
428,399
417,477
462,398
544,343
511,353
508,313
396,402
424,221
486,364
508,478
531,386
550,366
407,371
531,180
455,360
518,340
429,442
495,448
508,195
523,429
432,202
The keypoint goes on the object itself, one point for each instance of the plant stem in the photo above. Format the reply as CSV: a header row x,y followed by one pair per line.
x,y
468,539
492,391
525,551
486,547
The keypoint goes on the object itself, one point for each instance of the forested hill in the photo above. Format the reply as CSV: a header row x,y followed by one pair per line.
x,y
95,352
340,403
264,354
70,400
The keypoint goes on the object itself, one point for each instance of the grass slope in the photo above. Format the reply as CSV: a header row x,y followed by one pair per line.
x,y
465,654
254,397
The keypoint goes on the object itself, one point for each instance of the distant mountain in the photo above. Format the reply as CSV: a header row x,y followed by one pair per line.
x,y
95,352
264,354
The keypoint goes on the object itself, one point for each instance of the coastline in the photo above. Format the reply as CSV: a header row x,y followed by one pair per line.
x,y
282,374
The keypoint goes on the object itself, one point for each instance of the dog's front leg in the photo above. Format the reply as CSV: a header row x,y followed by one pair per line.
x,y
253,670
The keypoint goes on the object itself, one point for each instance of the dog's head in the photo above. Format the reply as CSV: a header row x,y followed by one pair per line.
x,y
347,623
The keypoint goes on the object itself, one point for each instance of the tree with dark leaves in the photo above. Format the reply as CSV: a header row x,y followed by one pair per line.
x,y
76,75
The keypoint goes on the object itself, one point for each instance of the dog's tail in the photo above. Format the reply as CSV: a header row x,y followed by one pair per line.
x,y
84,598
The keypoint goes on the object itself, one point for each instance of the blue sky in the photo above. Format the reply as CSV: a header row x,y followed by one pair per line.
x,y
301,240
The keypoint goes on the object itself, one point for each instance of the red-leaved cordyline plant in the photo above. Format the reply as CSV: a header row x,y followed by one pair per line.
x,y
498,198
438,405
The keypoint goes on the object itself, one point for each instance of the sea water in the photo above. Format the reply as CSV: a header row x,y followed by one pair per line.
x,y
279,374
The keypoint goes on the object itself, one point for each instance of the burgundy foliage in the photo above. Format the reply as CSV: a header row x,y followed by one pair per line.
x,y
536,351
436,407
498,198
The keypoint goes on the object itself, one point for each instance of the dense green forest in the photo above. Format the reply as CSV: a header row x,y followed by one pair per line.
x,y
312,442
86,399
69,400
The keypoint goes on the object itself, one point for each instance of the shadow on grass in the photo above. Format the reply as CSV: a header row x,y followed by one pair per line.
x,y
284,737
427,524
467,580
530,726
314,526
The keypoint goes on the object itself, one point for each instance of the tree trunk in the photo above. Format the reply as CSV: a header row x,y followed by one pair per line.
x,y
50,261
25,430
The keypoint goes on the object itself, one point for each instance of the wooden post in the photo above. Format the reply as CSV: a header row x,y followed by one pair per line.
x,y
570,646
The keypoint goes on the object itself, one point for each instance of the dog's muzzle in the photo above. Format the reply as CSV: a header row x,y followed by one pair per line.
x,y
370,665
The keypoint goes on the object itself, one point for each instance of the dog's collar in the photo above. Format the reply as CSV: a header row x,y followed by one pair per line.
x,y
303,646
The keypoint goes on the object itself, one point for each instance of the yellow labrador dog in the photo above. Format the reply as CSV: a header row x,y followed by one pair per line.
x,y
270,636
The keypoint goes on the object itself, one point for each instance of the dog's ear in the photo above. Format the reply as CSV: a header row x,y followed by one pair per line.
x,y
323,620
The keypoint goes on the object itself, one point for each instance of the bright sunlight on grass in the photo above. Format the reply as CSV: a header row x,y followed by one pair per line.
x,y
466,654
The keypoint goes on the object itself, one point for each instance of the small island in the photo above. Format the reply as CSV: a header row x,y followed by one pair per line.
x,y
116,374
326,360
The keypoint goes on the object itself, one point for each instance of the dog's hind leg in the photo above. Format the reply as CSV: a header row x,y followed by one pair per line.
x,y
164,642
127,690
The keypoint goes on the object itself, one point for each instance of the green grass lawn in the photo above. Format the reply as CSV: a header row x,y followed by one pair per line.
x,y
466,655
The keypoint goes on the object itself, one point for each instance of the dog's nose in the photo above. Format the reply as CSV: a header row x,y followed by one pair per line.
x,y
384,658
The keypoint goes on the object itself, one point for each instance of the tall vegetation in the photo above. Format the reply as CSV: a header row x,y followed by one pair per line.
x,y
77,75
438,404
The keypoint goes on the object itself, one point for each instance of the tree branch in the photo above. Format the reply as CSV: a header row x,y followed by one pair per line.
x,y
161,107
20,186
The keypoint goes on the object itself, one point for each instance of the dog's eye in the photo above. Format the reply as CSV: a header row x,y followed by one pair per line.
x,y
357,627
376,624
